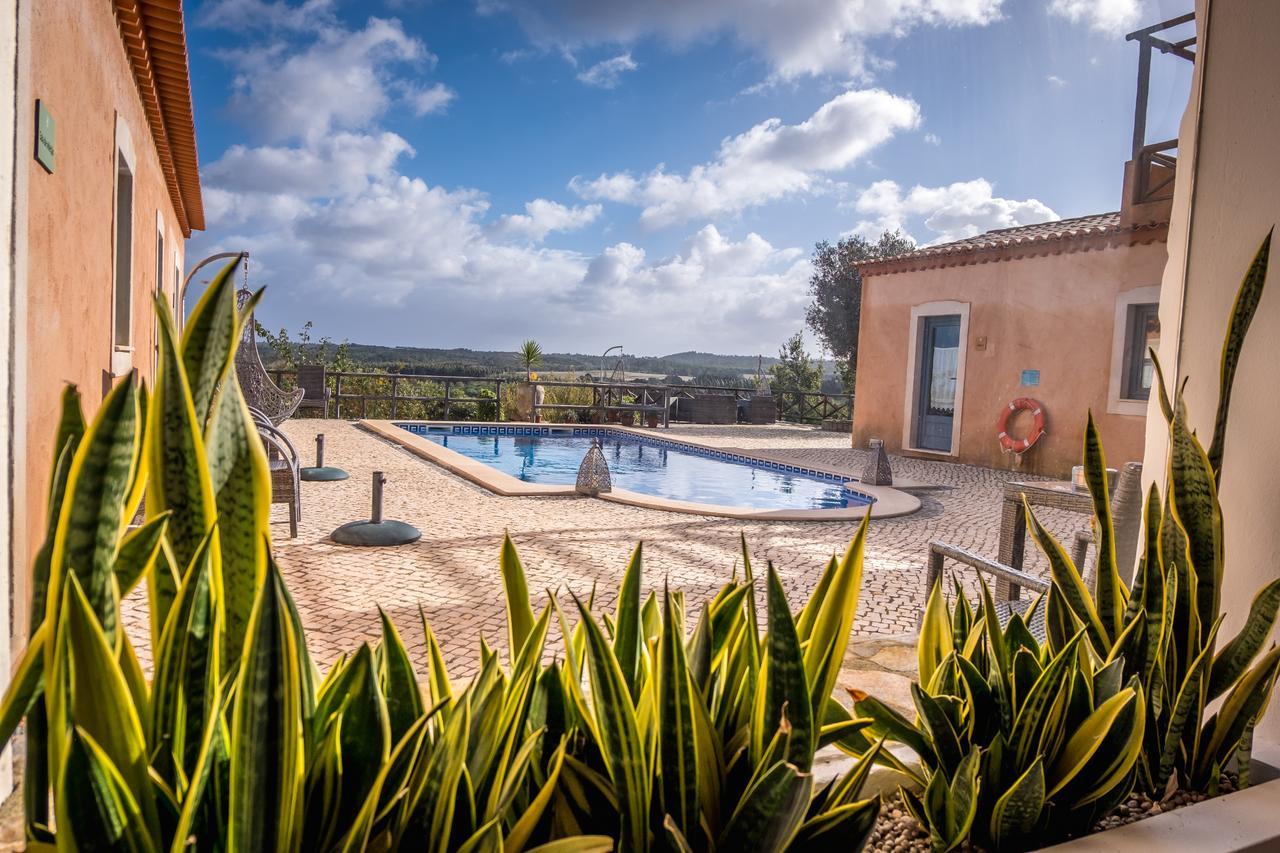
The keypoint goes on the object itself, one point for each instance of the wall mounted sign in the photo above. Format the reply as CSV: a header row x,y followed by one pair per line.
x,y
1030,377
44,137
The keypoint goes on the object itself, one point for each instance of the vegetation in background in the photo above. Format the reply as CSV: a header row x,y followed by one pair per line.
x,y
795,369
836,289
290,352
530,357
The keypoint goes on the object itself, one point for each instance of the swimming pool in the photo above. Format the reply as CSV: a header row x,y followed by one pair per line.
x,y
649,466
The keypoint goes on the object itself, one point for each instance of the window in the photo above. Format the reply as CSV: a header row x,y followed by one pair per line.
x,y
123,285
160,262
1142,333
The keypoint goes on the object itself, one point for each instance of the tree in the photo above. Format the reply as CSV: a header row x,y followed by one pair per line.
x,y
836,288
795,370
530,357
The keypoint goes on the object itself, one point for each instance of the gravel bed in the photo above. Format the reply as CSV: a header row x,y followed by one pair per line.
x,y
896,831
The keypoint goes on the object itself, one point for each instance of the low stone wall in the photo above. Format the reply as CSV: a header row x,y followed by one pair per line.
x,y
833,425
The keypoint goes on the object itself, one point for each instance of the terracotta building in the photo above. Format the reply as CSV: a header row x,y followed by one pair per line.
x,y
1059,314
100,161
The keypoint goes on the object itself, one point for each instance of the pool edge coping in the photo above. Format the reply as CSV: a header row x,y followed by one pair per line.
x,y
887,502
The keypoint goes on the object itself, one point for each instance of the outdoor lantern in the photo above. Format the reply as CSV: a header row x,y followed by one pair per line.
x,y
877,471
593,474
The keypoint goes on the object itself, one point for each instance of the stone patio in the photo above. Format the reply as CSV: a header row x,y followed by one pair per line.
x,y
577,543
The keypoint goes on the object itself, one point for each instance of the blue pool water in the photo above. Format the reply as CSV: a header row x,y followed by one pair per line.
x,y
651,467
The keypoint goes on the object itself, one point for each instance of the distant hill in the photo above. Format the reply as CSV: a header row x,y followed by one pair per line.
x,y
468,362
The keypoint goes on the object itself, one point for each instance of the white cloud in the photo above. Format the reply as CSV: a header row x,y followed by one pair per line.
x,y
432,99
795,38
266,14
542,216
932,139
767,162
1104,16
953,212
1055,81
605,73
342,79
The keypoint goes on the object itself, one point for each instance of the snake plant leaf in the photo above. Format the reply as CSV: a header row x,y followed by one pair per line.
x,y
241,485
832,622
962,800
842,828
1231,662
1017,811
1187,708
439,687
357,836
711,763
397,681
1042,710
891,725
92,514
698,650
1112,763
770,811
1242,312
752,616
628,639
726,620
188,670
138,551
783,692
936,640
516,589
71,429
1086,739
162,589
1242,705
675,838
25,685
364,737
677,737
210,338
1194,501
620,738
517,838
577,844
180,479
804,625
941,733
428,810
266,742
1166,407
1109,592
87,689
98,811
1066,578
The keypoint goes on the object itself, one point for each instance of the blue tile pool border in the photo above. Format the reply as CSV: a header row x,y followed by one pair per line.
x,y
426,429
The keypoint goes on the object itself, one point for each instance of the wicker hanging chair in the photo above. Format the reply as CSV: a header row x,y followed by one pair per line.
x,y
259,391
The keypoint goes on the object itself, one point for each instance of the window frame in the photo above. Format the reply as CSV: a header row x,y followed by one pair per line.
x,y
124,163
1121,349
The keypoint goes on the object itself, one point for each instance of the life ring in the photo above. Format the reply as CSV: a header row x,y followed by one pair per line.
x,y
1020,445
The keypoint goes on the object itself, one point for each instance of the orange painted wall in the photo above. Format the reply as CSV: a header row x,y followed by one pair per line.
x,y
1055,314
77,66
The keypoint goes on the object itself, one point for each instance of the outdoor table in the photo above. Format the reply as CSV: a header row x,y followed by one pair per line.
x,y
1058,494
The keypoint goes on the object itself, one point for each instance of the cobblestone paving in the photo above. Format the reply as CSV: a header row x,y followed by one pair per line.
x,y
573,544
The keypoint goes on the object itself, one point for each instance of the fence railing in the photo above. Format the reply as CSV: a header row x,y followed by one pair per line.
x,y
440,397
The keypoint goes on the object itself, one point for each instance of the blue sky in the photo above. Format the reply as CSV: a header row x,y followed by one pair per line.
x,y
594,172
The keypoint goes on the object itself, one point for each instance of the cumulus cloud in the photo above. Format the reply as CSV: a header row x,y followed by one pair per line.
x,y
606,73
1104,16
342,79
954,212
542,216
767,162
795,38
431,99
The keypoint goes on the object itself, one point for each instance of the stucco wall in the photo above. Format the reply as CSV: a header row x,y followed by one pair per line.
x,y
1224,204
8,90
1054,313
75,63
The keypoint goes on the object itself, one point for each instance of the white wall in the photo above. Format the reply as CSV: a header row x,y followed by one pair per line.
x,y
1227,197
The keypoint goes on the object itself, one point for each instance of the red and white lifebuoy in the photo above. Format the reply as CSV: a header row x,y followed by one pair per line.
x,y
1020,445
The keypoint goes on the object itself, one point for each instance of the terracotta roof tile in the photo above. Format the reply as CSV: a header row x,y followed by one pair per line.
x,y
1080,233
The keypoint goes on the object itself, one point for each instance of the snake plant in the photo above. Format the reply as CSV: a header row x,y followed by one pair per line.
x,y
1165,626
1020,742
642,738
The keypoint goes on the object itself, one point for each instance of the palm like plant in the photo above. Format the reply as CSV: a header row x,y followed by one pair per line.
x,y
530,357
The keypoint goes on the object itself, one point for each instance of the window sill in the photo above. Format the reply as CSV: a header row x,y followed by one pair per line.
x,y
1131,408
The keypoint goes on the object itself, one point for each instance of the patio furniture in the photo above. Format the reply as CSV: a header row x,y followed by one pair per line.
x,y
714,409
762,409
259,391
284,465
1126,515
315,390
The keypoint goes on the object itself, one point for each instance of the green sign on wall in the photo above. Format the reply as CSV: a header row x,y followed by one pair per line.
x,y
44,136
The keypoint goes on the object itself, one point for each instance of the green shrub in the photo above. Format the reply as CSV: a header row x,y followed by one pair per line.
x,y
702,741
